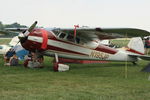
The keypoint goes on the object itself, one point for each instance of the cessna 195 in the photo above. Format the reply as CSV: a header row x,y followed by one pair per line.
x,y
65,43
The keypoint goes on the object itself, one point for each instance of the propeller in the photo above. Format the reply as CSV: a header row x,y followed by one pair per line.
x,y
32,26
24,35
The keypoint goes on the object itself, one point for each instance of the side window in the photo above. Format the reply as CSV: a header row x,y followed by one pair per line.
x,y
62,35
77,40
70,38
56,32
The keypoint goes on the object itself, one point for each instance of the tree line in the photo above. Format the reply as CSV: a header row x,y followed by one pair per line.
x,y
13,25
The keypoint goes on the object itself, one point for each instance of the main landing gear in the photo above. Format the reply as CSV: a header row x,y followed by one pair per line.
x,y
58,66
134,63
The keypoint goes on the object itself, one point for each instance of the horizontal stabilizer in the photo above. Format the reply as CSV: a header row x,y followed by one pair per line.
x,y
144,57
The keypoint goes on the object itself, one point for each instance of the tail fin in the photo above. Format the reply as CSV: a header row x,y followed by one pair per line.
x,y
136,46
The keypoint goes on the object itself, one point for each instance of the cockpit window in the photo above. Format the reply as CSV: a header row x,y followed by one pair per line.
x,y
70,38
56,32
66,36
62,35
77,40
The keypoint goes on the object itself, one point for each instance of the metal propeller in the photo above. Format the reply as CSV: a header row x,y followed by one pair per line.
x,y
24,35
32,26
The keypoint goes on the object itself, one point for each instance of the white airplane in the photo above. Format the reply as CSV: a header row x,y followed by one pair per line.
x,y
5,47
15,44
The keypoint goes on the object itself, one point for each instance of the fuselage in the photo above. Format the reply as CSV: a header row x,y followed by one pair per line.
x,y
49,42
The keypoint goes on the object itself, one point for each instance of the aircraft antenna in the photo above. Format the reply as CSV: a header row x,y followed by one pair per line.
x,y
75,30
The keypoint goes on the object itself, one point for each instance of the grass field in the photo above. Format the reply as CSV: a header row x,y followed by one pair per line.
x,y
82,82
4,41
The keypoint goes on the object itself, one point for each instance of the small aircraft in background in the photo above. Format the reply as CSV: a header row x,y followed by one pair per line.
x,y
14,44
5,47
83,44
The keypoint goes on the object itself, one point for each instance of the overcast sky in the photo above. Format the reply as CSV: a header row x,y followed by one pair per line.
x,y
67,13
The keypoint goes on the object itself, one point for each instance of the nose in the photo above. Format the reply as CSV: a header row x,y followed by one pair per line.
x,y
22,38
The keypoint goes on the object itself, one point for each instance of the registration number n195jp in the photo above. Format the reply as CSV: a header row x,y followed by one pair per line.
x,y
97,54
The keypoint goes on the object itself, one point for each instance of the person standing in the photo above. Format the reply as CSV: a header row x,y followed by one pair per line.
x,y
13,60
147,45
8,55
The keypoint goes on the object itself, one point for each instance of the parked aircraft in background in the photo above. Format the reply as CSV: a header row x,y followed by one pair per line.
x,y
5,47
15,44
83,44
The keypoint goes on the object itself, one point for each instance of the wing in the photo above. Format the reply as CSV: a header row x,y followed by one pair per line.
x,y
107,33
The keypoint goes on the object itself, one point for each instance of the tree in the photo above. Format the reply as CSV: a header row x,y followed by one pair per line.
x,y
15,25
1,26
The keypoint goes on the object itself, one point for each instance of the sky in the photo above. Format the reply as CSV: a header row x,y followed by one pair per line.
x,y
67,13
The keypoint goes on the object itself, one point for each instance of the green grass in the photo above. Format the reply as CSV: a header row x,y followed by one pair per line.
x,y
81,82
4,41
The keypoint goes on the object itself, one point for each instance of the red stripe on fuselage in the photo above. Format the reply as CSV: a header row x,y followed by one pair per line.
x,y
63,50
37,45
101,48
106,49
134,51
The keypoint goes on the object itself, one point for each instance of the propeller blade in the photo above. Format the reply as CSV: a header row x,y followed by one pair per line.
x,y
32,26
24,35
